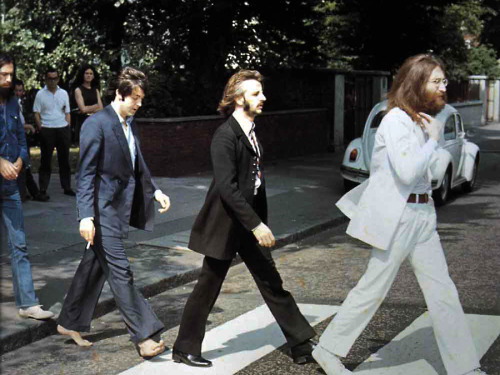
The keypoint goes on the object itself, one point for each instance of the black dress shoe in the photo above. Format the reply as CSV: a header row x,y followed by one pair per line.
x,y
302,353
41,197
69,192
190,360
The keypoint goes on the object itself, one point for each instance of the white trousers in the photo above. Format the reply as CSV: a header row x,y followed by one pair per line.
x,y
417,239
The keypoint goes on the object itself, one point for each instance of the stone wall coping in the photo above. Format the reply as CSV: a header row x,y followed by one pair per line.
x,y
470,103
219,117
353,72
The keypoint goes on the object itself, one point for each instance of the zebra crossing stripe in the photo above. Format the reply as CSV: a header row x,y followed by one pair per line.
x,y
235,344
414,351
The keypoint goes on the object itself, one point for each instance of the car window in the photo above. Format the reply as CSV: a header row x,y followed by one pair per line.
x,y
377,119
450,131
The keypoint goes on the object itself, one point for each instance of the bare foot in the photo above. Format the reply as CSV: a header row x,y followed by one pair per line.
x,y
150,348
80,341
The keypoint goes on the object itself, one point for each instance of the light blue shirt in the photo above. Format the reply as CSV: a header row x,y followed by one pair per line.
x,y
128,133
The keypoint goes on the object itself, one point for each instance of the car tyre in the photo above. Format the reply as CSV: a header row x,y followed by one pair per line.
x,y
469,186
349,185
440,195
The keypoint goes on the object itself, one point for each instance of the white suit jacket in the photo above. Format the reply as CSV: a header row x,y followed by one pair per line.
x,y
401,157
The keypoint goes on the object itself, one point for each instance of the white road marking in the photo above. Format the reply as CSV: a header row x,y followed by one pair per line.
x,y
414,351
235,344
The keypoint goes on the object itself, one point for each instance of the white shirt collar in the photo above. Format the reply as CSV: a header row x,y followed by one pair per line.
x,y
128,120
46,88
245,124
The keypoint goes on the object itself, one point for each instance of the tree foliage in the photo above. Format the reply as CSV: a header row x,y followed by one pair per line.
x,y
491,32
380,34
190,47
482,60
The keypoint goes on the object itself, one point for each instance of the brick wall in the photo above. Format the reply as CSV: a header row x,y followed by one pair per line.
x,y
180,146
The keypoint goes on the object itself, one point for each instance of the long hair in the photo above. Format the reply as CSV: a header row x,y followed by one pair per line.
x,y
234,89
79,79
129,79
4,60
408,90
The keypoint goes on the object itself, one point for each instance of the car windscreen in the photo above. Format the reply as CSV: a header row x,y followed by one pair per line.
x,y
377,120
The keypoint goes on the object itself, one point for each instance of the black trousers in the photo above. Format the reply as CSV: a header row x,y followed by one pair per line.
x,y
26,180
263,269
106,260
60,138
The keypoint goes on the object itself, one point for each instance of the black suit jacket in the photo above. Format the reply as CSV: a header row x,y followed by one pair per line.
x,y
108,187
231,210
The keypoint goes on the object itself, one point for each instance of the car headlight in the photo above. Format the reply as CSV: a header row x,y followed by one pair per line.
x,y
353,155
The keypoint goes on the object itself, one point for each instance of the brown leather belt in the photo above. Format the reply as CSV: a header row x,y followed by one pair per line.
x,y
418,198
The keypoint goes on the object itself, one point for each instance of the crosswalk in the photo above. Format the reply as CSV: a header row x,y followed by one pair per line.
x,y
414,351
236,344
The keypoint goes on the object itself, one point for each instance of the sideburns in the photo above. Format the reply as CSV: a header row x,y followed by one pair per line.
x,y
246,106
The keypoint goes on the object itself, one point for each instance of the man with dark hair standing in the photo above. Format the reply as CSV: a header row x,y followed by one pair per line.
x,y
233,220
13,154
114,189
52,118
393,211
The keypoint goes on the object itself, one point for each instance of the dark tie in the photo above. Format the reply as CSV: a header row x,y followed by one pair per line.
x,y
257,151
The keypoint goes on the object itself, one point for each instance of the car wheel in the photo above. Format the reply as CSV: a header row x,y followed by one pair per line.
x,y
440,195
468,186
349,185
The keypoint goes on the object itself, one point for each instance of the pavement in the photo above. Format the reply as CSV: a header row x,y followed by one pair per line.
x,y
301,193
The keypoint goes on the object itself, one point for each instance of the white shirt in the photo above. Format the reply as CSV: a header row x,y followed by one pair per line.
x,y
424,185
21,117
52,107
247,125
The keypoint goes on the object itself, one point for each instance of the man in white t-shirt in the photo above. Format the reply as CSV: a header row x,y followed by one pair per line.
x,y
52,118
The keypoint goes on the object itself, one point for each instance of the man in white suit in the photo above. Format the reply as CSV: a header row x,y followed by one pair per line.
x,y
393,211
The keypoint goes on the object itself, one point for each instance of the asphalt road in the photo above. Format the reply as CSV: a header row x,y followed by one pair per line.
x,y
318,271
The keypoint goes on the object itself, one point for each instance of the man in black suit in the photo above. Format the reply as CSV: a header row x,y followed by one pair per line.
x,y
233,220
114,189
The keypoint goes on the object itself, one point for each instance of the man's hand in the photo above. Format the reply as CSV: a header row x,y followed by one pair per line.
x,y
18,164
38,121
432,126
164,200
29,128
264,235
87,229
8,170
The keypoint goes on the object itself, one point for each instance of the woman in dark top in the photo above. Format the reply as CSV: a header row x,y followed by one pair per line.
x,y
87,96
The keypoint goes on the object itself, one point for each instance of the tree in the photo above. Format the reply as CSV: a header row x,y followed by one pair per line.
x,y
187,47
482,60
380,34
491,31
51,33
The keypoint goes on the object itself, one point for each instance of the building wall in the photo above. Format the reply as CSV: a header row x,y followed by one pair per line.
x,y
180,146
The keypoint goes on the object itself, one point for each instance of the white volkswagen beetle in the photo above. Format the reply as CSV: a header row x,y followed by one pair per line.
x,y
458,158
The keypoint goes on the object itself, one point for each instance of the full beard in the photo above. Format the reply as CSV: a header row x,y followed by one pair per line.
x,y
434,103
4,92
